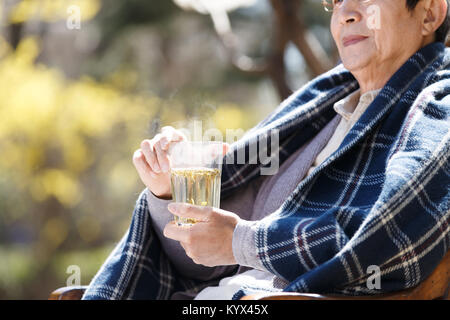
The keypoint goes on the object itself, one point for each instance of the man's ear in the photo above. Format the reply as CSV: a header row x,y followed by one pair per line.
x,y
435,14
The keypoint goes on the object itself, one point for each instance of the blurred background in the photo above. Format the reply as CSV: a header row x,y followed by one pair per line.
x,y
83,82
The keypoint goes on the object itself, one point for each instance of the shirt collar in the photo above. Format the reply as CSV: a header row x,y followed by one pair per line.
x,y
346,106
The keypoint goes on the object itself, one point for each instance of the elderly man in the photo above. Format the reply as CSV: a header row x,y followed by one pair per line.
x,y
364,179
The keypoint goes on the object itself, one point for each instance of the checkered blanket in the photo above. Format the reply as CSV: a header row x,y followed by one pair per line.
x,y
380,202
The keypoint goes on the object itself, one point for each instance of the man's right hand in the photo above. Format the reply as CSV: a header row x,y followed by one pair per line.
x,y
152,162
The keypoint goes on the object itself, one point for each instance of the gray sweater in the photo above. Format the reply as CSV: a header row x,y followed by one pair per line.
x,y
263,196
253,202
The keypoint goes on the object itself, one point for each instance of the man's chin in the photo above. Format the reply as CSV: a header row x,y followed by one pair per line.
x,y
355,64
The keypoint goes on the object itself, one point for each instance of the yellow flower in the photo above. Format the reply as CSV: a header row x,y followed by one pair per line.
x,y
52,10
228,116
57,183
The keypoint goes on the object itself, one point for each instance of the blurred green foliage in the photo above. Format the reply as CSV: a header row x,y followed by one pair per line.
x,y
65,165
67,182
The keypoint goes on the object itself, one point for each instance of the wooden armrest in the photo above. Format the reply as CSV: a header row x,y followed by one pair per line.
x,y
68,293
435,287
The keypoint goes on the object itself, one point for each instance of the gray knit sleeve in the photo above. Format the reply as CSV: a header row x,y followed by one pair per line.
x,y
240,203
244,245
160,216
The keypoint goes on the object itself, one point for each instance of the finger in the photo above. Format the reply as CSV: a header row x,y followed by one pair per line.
x,y
187,210
163,160
225,147
174,232
167,128
167,137
141,165
170,135
175,132
219,151
150,156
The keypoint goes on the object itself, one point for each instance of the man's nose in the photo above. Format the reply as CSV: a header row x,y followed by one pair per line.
x,y
349,11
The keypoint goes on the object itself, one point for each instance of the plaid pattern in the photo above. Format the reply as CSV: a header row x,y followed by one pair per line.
x,y
381,199
138,268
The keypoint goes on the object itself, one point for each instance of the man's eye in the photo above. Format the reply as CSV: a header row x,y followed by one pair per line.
x,y
337,1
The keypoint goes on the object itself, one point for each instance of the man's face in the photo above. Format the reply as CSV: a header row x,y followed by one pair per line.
x,y
374,32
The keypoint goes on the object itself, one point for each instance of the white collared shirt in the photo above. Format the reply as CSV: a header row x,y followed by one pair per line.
x,y
350,109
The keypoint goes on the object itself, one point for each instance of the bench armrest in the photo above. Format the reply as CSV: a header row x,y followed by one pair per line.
x,y
68,293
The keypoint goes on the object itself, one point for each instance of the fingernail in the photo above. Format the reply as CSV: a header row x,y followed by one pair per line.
x,y
156,168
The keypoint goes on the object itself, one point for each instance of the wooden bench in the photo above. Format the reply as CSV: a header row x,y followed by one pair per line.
x,y
435,287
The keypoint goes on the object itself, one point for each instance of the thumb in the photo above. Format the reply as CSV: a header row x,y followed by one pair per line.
x,y
225,147
187,210
215,150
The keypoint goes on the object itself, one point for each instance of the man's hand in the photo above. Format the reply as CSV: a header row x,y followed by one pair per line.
x,y
209,241
152,161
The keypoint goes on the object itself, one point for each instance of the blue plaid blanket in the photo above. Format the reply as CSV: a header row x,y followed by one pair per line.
x,y
382,199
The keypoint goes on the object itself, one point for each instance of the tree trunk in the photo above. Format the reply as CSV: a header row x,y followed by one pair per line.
x,y
314,55
15,34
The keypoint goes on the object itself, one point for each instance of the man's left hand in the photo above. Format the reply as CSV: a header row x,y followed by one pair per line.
x,y
209,240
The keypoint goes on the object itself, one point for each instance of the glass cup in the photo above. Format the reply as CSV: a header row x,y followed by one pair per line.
x,y
195,174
